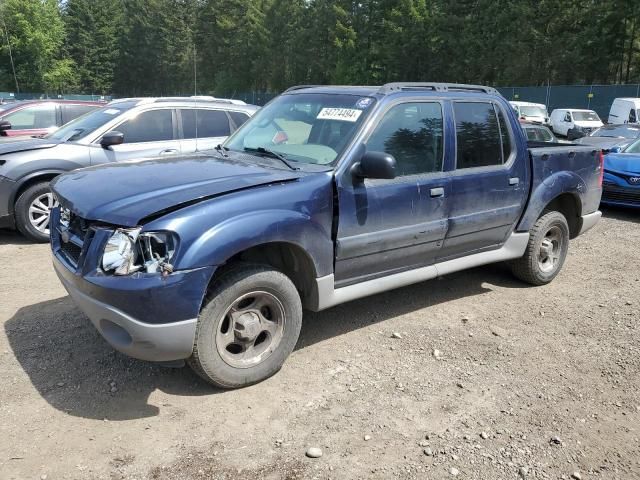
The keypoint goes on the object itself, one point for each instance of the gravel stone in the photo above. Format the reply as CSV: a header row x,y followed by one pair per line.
x,y
454,471
313,452
396,335
428,452
484,435
576,476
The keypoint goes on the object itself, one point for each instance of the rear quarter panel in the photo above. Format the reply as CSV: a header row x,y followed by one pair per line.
x,y
562,169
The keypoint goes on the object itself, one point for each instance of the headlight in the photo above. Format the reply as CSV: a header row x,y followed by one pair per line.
x,y
129,251
120,252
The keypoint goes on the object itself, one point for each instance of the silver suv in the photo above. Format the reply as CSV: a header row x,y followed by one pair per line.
x,y
131,128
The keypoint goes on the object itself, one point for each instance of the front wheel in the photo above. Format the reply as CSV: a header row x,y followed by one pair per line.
x,y
248,327
546,250
33,211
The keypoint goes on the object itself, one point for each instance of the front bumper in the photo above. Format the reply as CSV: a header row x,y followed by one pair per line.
x,y
146,341
6,208
146,316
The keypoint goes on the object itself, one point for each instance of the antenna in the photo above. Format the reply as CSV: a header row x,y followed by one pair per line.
x,y
195,70
13,67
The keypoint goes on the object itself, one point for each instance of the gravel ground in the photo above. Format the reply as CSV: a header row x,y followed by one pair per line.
x,y
474,375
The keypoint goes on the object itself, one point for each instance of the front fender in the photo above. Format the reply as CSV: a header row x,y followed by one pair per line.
x,y
553,186
228,238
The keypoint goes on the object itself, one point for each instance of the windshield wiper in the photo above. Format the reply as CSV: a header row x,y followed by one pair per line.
x,y
271,154
72,134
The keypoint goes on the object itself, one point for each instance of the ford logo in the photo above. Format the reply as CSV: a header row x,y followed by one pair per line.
x,y
634,180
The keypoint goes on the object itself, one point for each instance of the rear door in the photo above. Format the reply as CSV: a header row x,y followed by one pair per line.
x,y
203,129
489,183
387,226
150,133
37,120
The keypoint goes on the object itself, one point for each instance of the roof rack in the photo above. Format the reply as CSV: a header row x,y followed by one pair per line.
x,y
199,99
436,87
300,87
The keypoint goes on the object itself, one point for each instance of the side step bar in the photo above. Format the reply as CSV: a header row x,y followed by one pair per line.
x,y
327,296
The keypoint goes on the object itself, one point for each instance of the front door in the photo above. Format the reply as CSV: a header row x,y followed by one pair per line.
x,y
386,226
149,134
490,181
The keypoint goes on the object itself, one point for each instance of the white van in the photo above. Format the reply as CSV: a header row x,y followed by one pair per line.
x,y
531,112
564,119
624,110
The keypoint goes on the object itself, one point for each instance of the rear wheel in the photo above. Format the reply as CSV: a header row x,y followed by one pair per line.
x,y
546,250
33,211
248,327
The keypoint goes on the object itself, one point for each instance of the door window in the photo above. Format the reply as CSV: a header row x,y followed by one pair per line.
x,y
37,116
69,112
151,126
200,123
567,117
412,133
478,139
632,116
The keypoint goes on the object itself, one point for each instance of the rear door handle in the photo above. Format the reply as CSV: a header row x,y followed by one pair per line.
x,y
514,181
169,151
437,192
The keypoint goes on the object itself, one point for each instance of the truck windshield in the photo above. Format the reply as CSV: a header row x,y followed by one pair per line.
x,y
585,117
306,128
89,122
531,111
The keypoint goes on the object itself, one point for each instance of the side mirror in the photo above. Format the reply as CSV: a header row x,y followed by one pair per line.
x,y
375,165
112,138
616,149
4,126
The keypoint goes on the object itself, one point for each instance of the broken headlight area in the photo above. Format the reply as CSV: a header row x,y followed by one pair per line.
x,y
129,250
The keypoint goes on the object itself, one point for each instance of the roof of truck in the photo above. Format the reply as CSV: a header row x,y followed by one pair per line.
x,y
390,88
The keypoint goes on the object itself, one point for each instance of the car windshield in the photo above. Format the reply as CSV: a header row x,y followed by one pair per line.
x,y
585,117
89,122
306,128
532,111
622,131
633,148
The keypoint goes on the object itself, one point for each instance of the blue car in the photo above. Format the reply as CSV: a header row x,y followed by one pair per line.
x,y
622,177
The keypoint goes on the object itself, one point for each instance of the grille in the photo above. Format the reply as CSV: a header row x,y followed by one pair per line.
x,y
623,195
71,251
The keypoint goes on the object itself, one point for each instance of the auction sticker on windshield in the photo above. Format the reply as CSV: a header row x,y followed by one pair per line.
x,y
343,114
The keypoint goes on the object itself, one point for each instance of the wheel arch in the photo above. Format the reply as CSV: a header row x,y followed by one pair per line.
x,y
561,193
28,181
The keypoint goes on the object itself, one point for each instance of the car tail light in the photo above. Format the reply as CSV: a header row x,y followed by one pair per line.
x,y
601,178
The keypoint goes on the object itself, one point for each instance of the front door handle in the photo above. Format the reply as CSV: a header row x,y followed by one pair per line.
x,y
169,151
436,192
513,181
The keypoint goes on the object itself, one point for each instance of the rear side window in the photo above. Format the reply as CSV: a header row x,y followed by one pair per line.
x,y
478,139
238,118
531,134
505,137
69,112
199,123
412,133
151,126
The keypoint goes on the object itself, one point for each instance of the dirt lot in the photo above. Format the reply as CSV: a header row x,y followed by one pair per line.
x,y
516,368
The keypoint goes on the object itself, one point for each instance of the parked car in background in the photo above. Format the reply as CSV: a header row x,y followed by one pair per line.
x,y
621,184
38,118
611,136
531,112
538,133
125,129
326,195
625,110
563,120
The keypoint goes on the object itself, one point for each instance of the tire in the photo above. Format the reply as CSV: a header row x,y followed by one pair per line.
x,y
259,298
32,207
546,250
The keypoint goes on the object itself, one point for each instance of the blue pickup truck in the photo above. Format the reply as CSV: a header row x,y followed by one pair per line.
x,y
326,195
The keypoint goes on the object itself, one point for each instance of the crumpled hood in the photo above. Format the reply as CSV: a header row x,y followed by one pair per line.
x,y
623,163
11,146
126,193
